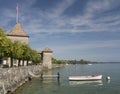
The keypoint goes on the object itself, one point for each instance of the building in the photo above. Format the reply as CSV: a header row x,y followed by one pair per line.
x,y
18,34
46,57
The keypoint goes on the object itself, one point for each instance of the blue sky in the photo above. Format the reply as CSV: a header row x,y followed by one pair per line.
x,y
73,29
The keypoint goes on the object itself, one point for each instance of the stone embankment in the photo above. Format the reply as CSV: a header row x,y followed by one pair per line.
x,y
12,78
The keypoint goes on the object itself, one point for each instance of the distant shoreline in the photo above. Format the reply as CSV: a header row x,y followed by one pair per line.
x,y
81,62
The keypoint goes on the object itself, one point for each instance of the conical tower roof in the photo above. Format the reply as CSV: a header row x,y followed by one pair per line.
x,y
47,50
17,31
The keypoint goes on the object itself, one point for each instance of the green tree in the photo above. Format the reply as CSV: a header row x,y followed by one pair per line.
x,y
55,61
30,55
3,45
35,57
16,50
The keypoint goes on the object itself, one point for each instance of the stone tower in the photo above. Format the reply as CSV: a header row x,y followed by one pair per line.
x,y
18,34
47,58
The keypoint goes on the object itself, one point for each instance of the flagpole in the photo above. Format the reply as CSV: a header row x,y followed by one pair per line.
x,y
17,13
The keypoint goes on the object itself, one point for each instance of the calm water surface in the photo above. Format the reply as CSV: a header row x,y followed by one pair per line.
x,y
64,86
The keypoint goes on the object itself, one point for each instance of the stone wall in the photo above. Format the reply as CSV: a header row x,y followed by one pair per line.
x,y
19,38
47,60
12,78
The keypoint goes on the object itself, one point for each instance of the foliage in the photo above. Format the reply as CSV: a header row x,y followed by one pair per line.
x,y
55,61
16,49
82,61
35,56
3,40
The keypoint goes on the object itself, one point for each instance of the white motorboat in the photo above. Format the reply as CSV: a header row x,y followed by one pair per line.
x,y
85,78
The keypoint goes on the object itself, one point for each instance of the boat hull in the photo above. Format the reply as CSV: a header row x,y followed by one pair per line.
x,y
85,78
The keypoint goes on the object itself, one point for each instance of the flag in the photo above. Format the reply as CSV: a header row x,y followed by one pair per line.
x,y
17,8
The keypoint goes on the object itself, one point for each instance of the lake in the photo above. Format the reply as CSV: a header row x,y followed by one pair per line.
x,y
64,86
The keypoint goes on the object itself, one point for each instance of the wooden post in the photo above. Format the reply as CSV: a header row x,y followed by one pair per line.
x,y
41,76
58,76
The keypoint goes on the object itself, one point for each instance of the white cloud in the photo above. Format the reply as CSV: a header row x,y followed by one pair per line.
x,y
53,20
87,45
57,10
89,50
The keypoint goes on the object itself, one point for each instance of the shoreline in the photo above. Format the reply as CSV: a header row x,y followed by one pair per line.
x,y
12,79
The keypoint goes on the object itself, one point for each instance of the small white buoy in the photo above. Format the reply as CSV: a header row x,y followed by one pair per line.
x,y
108,78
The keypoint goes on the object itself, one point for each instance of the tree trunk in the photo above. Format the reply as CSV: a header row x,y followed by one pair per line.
x,y
11,65
19,62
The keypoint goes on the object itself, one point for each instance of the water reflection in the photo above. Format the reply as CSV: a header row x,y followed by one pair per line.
x,y
99,82
49,78
108,81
